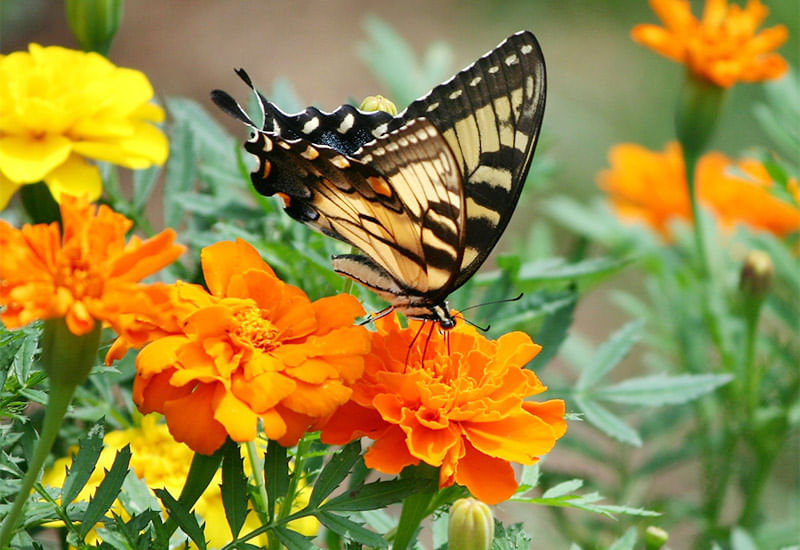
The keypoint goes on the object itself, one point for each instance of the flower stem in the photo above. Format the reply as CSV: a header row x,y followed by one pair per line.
x,y
697,216
257,473
752,373
57,404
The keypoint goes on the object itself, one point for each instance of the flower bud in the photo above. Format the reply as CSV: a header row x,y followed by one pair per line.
x,y
378,103
94,22
67,358
757,274
471,525
655,538
699,105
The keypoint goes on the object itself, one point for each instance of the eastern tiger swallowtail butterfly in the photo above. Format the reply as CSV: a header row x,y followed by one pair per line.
x,y
426,194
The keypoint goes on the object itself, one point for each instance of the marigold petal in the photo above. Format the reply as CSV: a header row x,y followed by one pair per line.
x,y
75,177
274,426
351,421
428,445
191,420
389,454
660,40
151,393
238,419
515,348
225,259
334,311
297,425
28,160
159,355
552,412
263,391
520,438
316,400
488,479
147,257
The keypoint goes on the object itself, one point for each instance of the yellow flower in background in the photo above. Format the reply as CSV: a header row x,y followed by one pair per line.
x,y
723,47
59,107
160,461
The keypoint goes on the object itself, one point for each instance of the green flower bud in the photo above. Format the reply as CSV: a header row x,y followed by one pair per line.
x,y
698,110
94,22
655,538
67,358
378,103
471,525
757,273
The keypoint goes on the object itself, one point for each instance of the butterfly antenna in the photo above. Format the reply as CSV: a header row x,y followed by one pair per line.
x,y
477,326
503,301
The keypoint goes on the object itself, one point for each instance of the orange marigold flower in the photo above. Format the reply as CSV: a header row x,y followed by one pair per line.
x,y
253,348
462,410
723,47
88,273
651,187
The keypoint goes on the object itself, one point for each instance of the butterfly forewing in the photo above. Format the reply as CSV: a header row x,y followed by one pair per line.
x,y
490,114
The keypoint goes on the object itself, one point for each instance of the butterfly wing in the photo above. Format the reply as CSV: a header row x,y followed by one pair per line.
x,y
399,201
490,114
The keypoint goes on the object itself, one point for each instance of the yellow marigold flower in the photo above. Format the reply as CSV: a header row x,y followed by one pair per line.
x,y
253,348
85,273
464,409
651,187
724,47
59,107
161,462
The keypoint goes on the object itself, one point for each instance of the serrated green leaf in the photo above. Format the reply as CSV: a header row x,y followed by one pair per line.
x,y
107,492
234,489
334,472
563,488
183,518
352,530
626,541
180,172
293,540
143,183
375,495
511,537
276,474
608,422
553,333
609,355
661,389
84,463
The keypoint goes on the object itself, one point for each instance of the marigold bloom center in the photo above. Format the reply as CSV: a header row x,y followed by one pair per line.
x,y
79,277
255,329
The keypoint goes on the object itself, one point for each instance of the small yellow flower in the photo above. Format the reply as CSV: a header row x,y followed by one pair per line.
x,y
723,47
59,107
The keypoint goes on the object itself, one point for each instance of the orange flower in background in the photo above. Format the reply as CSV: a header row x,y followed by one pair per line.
x,y
60,107
724,47
87,274
463,410
651,187
253,348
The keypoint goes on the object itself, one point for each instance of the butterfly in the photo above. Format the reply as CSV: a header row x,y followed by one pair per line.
x,y
424,195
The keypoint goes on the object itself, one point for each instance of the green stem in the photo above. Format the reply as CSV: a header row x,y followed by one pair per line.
x,y
57,404
752,373
699,232
257,474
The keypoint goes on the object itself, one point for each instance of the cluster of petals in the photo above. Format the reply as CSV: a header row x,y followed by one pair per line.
x,y
84,271
60,107
651,187
462,409
724,47
161,462
252,348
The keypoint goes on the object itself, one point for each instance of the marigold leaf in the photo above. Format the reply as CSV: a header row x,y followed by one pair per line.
x,y
608,422
510,537
354,531
553,333
183,518
626,541
234,489
661,389
563,488
334,472
180,172
293,540
107,492
375,495
143,183
83,465
609,355
276,474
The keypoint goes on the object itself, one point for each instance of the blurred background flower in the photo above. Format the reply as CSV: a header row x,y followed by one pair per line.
x,y
61,107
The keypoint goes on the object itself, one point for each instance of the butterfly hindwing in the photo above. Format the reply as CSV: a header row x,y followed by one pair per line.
x,y
399,200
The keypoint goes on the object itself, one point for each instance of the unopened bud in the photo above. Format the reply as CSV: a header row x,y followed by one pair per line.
x,y
94,22
471,525
655,538
696,117
378,103
757,273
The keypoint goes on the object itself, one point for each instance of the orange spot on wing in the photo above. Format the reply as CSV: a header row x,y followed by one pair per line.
x,y
266,169
380,186
287,200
